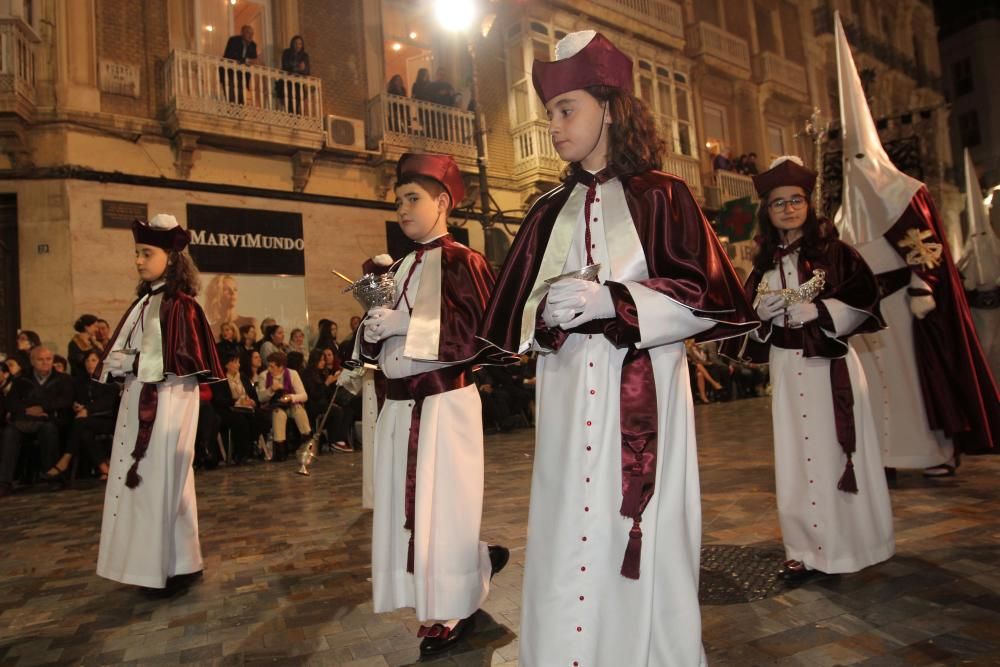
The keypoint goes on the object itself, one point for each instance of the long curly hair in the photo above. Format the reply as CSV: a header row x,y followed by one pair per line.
x,y
634,145
181,276
816,235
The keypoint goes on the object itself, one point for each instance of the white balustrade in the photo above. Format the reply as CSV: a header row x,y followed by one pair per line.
x,y
687,168
418,125
227,89
734,186
663,15
534,152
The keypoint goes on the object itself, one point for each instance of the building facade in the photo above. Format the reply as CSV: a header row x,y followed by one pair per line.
x,y
109,107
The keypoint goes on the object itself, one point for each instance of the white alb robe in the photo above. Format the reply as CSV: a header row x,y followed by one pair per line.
x,y
451,567
825,528
577,607
889,361
150,532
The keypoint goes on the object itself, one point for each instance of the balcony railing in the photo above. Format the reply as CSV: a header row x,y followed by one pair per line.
x,y
660,15
772,68
734,186
707,40
534,155
17,68
405,124
225,89
689,169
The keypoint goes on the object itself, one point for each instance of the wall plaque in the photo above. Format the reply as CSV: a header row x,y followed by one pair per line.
x,y
119,78
120,214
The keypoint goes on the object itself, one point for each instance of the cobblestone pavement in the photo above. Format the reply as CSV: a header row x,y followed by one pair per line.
x,y
286,577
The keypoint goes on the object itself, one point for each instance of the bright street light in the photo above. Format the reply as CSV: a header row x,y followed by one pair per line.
x,y
455,15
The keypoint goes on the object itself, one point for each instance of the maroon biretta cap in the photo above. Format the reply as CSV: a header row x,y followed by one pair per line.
x,y
441,168
599,63
786,172
162,231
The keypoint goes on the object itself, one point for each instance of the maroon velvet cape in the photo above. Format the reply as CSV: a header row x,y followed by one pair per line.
x,y
848,279
685,260
466,283
188,342
960,392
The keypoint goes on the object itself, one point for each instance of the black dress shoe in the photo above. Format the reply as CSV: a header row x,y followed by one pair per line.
x,y
498,558
441,638
795,572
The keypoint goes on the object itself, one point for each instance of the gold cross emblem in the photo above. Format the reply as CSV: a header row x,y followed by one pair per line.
x,y
920,253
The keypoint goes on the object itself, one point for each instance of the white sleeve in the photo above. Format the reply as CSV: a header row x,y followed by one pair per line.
x,y
845,319
663,320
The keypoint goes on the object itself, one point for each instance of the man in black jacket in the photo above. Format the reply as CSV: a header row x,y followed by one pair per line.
x,y
40,404
243,50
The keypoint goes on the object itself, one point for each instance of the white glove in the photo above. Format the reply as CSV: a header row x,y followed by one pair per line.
x,y
119,362
584,299
554,317
770,307
385,322
921,305
801,313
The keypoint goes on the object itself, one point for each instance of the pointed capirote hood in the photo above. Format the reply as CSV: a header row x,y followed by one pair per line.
x,y
980,262
876,193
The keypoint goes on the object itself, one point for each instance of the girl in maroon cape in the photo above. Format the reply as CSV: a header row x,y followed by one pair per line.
x,y
162,347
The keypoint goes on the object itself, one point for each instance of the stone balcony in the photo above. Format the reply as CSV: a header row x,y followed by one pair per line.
x,y
220,101
719,49
781,75
17,68
660,20
403,125
689,169
535,159
728,186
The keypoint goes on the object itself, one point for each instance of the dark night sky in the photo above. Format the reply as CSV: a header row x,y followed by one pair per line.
x,y
952,15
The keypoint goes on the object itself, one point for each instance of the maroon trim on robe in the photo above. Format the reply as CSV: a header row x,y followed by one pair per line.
x,y
188,342
466,283
849,280
960,393
416,388
685,262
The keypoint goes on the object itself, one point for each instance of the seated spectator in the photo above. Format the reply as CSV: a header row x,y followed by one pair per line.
x,y
265,323
229,340
206,445
103,334
248,343
724,160
26,342
331,360
60,364
40,404
347,347
697,360
255,365
321,383
13,366
281,390
750,167
327,337
297,342
95,408
235,400
82,342
273,341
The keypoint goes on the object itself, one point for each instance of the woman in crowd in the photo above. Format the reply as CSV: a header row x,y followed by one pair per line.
x,y
255,365
60,364
229,340
83,342
697,360
235,400
327,339
95,409
833,502
281,389
297,342
396,86
26,341
274,341
321,383
294,60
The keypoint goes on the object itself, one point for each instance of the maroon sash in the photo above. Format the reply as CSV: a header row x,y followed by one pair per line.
x,y
416,388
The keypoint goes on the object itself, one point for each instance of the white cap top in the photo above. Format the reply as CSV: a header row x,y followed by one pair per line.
x,y
784,158
573,43
163,221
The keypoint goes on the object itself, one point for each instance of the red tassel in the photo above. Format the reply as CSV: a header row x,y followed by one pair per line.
x,y
630,566
133,478
409,556
848,482
632,498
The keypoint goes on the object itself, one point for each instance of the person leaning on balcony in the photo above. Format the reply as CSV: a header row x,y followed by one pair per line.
x,y
243,50
294,60
724,160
